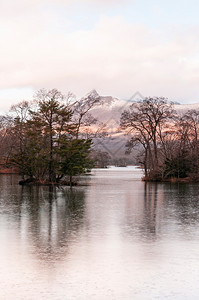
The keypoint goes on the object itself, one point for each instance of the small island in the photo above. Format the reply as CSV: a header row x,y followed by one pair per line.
x,y
48,147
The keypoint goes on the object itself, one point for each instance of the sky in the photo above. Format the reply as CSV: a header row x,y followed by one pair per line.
x,y
117,47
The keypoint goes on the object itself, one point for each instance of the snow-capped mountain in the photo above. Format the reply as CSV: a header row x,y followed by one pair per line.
x,y
109,113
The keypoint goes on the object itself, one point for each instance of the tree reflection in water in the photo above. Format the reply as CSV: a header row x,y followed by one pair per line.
x,y
154,213
150,210
55,216
47,218
142,213
183,201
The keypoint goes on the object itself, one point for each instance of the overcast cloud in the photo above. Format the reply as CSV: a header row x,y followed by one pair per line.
x,y
48,46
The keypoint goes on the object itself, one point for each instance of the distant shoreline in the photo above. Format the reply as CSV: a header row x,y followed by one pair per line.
x,y
172,179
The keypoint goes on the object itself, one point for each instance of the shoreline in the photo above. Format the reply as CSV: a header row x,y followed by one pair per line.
x,y
172,180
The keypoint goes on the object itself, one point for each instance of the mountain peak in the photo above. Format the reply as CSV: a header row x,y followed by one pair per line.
x,y
93,93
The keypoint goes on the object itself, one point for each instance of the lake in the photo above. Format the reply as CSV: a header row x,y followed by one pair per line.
x,y
116,238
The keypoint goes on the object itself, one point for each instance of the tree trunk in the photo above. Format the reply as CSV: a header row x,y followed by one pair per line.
x,y
71,181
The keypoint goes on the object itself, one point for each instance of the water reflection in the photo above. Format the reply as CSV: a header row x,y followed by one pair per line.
x,y
117,238
162,209
47,218
142,213
150,209
54,219
182,202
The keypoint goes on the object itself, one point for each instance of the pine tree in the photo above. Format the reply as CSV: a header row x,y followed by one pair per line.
x,y
52,120
51,148
75,157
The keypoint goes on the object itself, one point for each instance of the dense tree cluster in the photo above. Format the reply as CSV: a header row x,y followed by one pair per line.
x,y
50,138
168,142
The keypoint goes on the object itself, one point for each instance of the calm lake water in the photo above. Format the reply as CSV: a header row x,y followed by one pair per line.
x,y
116,238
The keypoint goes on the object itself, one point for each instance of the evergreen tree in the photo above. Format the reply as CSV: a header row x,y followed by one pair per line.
x,y
75,157
48,147
51,121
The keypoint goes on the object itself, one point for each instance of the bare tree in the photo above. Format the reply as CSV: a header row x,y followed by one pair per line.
x,y
6,138
146,121
87,125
